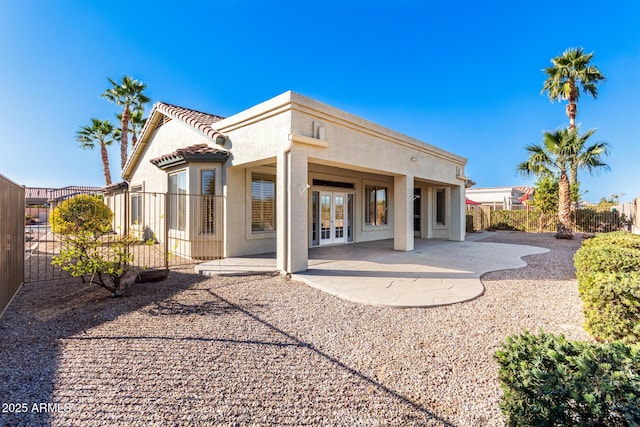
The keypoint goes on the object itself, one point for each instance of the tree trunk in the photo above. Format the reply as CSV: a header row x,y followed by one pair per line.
x,y
572,112
124,139
572,107
564,207
573,181
105,164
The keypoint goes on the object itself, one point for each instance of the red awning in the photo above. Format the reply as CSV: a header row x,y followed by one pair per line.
x,y
471,202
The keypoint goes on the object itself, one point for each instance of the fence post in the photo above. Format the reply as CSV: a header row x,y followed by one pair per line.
x,y
126,225
166,230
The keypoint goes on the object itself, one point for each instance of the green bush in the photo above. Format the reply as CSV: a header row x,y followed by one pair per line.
x,y
622,239
612,305
605,259
547,380
81,213
86,252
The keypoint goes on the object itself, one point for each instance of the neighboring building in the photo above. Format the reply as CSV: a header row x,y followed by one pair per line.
x,y
501,197
39,201
295,173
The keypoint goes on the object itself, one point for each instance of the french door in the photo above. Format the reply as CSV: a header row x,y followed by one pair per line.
x,y
335,212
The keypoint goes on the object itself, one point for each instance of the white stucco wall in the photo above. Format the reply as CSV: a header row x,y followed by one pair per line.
x,y
356,149
298,139
168,138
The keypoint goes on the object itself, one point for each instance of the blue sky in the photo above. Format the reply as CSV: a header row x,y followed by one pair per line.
x,y
465,76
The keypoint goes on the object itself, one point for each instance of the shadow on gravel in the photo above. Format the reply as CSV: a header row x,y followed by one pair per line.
x,y
42,314
338,364
45,315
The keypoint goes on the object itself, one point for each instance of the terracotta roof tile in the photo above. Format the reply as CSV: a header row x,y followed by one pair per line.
x,y
525,190
192,153
196,119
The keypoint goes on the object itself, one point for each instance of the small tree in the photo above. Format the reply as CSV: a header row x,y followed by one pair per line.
x,y
546,195
82,223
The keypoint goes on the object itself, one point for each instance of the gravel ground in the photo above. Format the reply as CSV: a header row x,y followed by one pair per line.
x,y
260,350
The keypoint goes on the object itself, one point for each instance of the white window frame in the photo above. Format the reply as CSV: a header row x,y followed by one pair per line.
x,y
178,197
250,233
204,228
136,192
445,209
388,190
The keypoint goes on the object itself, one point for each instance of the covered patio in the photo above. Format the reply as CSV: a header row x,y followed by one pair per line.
x,y
436,272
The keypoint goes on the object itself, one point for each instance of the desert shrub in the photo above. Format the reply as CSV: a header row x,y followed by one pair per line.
x,y
503,226
82,223
605,259
547,380
103,263
81,213
611,303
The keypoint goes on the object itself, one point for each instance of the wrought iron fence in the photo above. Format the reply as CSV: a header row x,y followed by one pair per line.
x,y
169,230
12,218
523,218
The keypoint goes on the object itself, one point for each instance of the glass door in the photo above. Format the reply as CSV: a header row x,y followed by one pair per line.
x,y
416,212
325,219
339,223
335,225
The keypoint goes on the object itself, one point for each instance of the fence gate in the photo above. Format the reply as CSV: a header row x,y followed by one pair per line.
x,y
169,230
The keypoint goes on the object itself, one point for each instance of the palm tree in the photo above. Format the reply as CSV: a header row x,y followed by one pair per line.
x,y
559,150
102,133
136,123
127,94
571,71
587,157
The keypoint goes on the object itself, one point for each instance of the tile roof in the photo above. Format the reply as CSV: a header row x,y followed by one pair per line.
x,y
44,195
192,153
525,190
160,114
196,119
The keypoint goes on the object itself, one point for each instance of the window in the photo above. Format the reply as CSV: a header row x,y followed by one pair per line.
x,y
208,195
375,210
136,205
263,203
440,206
178,201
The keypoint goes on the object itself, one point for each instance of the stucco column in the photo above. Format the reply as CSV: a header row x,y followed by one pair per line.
x,y
457,231
403,212
281,212
292,230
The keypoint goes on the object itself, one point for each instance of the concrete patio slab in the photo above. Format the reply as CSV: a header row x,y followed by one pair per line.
x,y
436,273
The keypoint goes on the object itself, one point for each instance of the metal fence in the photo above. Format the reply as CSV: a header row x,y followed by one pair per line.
x,y
523,218
12,219
169,230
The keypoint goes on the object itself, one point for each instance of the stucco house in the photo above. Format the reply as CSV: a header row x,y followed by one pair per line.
x,y
508,198
295,173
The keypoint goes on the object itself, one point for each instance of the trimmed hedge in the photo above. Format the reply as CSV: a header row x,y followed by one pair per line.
x,y
548,380
608,271
612,305
622,239
606,259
